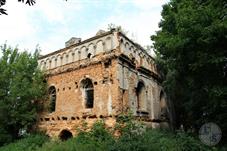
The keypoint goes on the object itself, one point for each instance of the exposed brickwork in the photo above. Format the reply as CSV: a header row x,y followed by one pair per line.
x,y
123,78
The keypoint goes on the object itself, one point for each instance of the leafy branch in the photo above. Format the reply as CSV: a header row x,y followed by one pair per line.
x,y
27,2
3,2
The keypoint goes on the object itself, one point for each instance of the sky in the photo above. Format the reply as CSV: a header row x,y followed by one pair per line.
x,y
50,23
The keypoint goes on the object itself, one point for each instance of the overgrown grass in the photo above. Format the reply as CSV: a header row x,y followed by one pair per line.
x,y
30,143
134,137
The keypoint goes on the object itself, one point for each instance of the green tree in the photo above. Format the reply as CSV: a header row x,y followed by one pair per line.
x,y
191,52
21,86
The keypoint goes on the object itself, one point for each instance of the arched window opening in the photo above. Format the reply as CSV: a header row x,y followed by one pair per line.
x,y
55,62
163,106
66,59
141,97
89,55
52,98
65,135
88,92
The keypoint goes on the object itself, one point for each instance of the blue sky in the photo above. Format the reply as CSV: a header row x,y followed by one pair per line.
x,y
52,22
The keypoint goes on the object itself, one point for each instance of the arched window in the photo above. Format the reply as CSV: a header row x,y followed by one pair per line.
x,y
88,92
52,98
141,96
163,106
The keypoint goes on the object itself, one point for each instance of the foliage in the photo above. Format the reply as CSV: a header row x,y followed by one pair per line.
x,y
21,86
30,143
112,26
3,2
99,139
192,55
97,133
96,139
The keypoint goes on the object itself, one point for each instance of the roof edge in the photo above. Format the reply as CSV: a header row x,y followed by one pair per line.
x,y
136,44
82,42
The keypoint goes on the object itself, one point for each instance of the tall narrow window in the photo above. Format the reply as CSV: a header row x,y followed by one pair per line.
x,y
141,96
88,92
52,98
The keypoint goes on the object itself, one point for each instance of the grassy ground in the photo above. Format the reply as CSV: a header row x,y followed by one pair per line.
x,y
133,138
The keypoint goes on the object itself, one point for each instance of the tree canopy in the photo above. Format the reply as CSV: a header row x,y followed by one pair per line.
x,y
21,86
191,52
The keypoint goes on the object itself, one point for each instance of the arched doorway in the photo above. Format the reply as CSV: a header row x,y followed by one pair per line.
x,y
65,135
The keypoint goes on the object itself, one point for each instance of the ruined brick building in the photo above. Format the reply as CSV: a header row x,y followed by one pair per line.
x,y
100,78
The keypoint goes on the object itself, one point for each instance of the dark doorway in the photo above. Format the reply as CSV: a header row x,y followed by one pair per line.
x,y
65,135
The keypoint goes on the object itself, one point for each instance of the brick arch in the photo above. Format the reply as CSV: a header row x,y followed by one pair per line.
x,y
83,52
70,57
99,46
48,63
86,76
42,64
91,49
65,134
65,58
122,44
108,42
59,60
53,62
127,45
141,96
76,54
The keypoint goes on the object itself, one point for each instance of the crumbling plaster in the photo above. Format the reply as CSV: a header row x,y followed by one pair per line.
x,y
115,65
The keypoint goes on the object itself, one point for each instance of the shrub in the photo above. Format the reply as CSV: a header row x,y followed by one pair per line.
x,y
98,136
30,143
134,137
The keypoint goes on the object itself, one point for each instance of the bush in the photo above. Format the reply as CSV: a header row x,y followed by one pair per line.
x,y
159,140
134,136
71,145
98,136
30,143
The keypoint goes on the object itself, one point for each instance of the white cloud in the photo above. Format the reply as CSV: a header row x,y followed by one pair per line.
x,y
141,25
16,25
22,25
50,23
56,11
